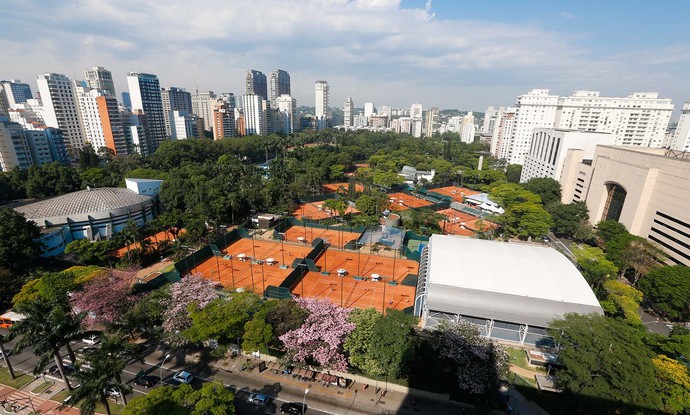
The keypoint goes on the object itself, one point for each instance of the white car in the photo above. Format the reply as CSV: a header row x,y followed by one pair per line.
x,y
111,392
183,377
92,339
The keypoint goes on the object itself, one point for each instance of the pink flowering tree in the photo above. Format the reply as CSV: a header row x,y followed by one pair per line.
x,y
321,337
192,289
105,298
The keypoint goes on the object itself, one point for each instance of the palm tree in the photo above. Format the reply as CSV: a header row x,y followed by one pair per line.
x,y
45,329
97,381
6,357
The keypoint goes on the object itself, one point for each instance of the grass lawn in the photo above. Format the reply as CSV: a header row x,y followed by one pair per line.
x,y
17,383
518,358
42,387
115,409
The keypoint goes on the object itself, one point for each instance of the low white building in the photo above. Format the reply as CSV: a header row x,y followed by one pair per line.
x,y
550,146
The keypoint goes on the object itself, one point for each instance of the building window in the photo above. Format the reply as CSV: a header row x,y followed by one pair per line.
x,y
614,202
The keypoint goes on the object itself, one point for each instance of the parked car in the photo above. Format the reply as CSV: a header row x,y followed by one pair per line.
x,y
111,392
259,399
69,369
294,408
183,377
147,381
92,339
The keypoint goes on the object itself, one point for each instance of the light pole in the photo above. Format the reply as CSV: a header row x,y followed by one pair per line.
x,y
306,391
282,246
167,356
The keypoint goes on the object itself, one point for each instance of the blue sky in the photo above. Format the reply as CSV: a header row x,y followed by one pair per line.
x,y
451,54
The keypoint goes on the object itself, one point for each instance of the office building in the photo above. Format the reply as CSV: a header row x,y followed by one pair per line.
x,y
348,113
514,299
202,106
321,98
550,146
255,84
645,189
431,122
681,137
279,85
134,126
254,115
287,112
60,108
127,100
175,99
145,92
100,79
15,92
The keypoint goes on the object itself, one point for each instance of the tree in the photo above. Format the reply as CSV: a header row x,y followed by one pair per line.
x,y
221,319
212,399
192,289
371,205
668,289
257,335
88,252
594,265
622,301
18,241
478,363
510,194
568,219
357,342
11,284
105,299
513,173
674,385
387,179
390,345
545,187
610,229
45,329
88,157
284,315
321,336
96,177
525,220
51,179
606,368
147,313
422,221
336,205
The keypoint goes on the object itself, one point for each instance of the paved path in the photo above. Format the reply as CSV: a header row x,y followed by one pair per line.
x,y
27,402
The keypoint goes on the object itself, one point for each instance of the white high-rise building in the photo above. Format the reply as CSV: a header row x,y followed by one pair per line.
x,y
500,147
681,138
494,128
279,84
101,79
203,104
60,108
145,94
369,109
431,122
287,113
550,147
254,115
14,148
640,119
15,92
468,128
416,111
321,94
92,126
536,109
184,125
348,113
175,99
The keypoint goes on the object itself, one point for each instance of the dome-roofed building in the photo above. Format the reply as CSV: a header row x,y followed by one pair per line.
x,y
91,213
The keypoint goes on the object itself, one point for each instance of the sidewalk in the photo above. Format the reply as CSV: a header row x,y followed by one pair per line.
x,y
28,402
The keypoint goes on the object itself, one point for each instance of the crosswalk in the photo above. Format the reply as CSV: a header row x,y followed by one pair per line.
x,y
27,402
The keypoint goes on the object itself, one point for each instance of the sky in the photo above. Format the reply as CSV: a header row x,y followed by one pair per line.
x,y
451,54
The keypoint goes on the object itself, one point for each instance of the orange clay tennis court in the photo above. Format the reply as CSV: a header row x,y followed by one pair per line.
x,y
306,235
455,192
317,211
403,201
336,187
460,223
360,293
154,239
242,271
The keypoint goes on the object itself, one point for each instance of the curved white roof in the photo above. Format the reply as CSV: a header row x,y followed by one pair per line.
x,y
500,277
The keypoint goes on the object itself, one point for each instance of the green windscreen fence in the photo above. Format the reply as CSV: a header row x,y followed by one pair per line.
x,y
287,223
277,293
295,276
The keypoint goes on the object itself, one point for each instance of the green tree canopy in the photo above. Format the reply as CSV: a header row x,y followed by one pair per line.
x,y
606,366
513,173
594,265
18,245
568,219
668,289
222,319
357,342
545,187
390,345
212,399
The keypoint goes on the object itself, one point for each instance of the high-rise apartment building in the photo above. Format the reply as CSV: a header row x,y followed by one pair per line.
x,y
255,84
14,148
369,109
254,115
92,127
468,128
202,106
113,127
416,111
431,121
60,108
348,113
223,121
681,138
279,85
536,109
145,92
500,142
321,98
287,112
185,125
101,120
175,99
16,92
101,79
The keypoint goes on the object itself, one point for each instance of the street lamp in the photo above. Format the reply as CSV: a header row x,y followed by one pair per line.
x,y
167,356
306,391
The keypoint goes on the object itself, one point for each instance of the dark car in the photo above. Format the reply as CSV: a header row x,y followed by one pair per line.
x,y
295,408
147,381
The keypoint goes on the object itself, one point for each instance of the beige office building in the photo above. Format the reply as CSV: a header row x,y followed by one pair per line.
x,y
647,190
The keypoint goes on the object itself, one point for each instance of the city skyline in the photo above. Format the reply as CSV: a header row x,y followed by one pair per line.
x,y
389,52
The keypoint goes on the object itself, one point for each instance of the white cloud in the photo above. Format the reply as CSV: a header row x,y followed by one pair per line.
x,y
372,50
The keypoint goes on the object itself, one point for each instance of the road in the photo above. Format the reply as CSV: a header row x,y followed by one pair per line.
x,y
321,399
